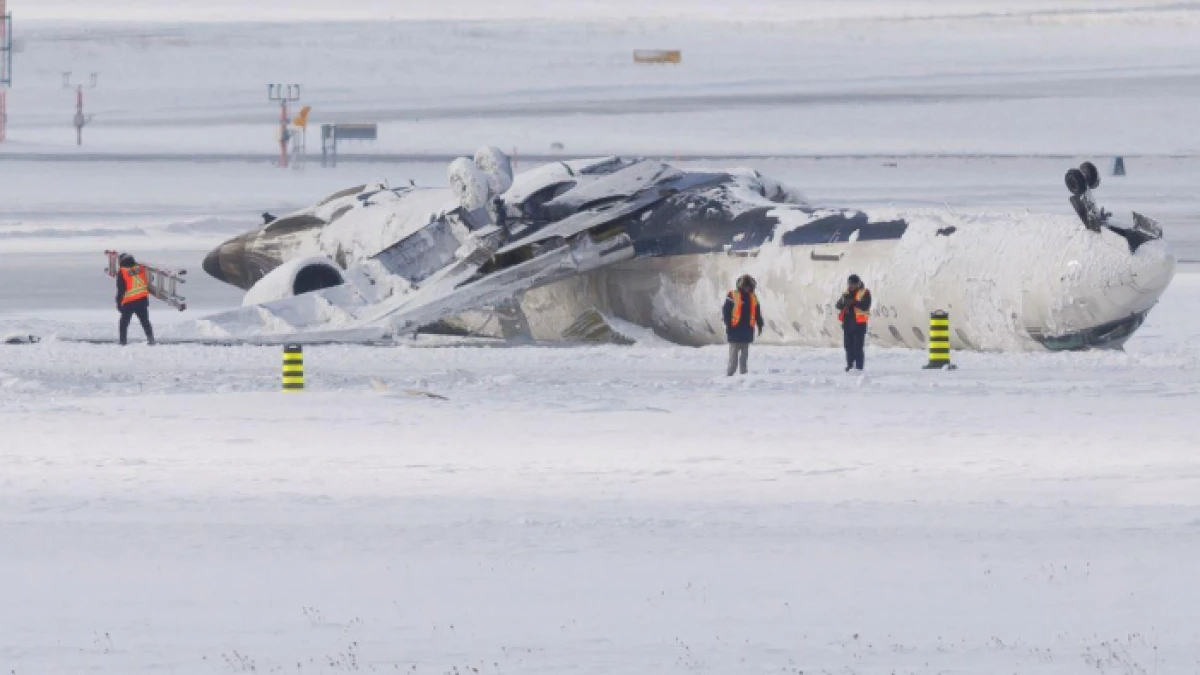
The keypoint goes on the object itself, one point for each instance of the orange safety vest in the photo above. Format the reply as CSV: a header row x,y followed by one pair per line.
x,y
735,319
137,284
860,315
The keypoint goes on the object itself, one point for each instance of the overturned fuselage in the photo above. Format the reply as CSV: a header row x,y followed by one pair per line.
x,y
582,250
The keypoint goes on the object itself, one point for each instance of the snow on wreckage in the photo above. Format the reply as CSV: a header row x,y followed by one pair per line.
x,y
588,249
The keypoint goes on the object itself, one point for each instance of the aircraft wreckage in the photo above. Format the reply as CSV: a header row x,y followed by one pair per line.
x,y
609,249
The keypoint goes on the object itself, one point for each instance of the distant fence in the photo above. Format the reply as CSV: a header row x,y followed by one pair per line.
x,y
657,56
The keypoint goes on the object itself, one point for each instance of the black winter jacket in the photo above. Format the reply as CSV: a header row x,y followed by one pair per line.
x,y
848,302
744,331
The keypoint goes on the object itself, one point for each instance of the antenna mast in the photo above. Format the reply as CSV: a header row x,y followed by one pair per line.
x,y
284,93
6,51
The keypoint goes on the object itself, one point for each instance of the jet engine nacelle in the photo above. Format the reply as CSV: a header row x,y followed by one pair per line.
x,y
469,185
475,182
295,277
497,167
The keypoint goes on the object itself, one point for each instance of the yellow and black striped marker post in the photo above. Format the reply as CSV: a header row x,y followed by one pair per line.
x,y
293,368
939,342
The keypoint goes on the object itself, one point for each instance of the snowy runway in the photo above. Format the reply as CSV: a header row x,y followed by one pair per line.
x,y
590,509
601,510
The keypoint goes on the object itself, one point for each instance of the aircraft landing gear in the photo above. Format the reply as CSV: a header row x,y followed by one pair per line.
x,y
1080,182
1091,173
1077,183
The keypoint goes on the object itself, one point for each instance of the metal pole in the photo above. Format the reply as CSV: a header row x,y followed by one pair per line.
x,y
324,145
5,66
79,120
284,93
283,156
5,46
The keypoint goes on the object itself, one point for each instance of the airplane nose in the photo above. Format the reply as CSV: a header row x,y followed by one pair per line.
x,y
212,265
239,262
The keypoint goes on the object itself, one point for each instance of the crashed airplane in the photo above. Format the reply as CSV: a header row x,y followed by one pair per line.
x,y
611,249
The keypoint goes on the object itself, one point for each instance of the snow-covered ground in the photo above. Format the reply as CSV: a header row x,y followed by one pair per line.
x,y
602,509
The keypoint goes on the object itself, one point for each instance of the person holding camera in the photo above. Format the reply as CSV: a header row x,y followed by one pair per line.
x,y
855,310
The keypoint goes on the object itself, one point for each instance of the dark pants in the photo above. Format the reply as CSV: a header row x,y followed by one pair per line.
x,y
739,352
141,308
854,336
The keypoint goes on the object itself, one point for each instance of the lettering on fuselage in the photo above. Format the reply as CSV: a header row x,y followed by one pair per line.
x,y
879,311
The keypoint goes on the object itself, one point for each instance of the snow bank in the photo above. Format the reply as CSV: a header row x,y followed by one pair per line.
x,y
617,496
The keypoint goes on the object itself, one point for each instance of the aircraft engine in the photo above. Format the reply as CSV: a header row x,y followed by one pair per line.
x,y
469,185
295,277
497,167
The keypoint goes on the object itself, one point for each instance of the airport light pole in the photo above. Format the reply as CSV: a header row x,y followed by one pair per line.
x,y
284,93
80,119
6,50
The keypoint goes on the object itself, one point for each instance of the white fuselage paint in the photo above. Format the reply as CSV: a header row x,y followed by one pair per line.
x,y
1006,279
1001,278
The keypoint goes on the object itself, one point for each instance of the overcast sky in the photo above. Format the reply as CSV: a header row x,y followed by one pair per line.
x,y
291,10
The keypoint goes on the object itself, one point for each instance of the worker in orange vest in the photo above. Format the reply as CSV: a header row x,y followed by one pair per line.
x,y
742,314
133,297
855,310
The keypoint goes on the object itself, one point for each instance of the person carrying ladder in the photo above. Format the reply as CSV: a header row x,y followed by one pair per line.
x,y
133,297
